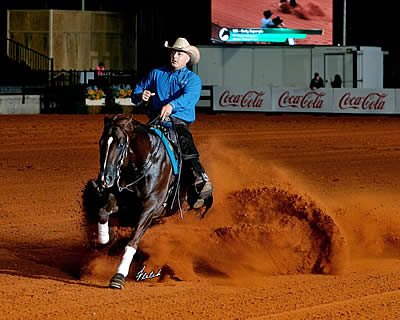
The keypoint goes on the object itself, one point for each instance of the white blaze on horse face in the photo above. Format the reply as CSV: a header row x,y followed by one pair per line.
x,y
110,140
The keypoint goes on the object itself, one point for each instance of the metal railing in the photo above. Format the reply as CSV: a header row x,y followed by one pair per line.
x,y
29,57
64,78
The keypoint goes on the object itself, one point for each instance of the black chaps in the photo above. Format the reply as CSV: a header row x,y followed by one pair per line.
x,y
190,154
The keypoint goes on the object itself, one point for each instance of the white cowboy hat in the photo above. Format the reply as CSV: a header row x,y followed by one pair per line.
x,y
181,44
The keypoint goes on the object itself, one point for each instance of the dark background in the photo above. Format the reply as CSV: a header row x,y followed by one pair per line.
x,y
368,23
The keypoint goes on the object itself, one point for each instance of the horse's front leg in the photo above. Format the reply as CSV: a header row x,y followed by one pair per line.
x,y
152,209
104,215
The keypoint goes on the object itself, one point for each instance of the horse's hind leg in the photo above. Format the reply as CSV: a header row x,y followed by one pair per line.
x,y
104,215
118,281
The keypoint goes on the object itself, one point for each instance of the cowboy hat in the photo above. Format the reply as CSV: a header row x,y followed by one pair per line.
x,y
181,44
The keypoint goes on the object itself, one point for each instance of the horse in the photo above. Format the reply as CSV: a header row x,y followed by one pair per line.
x,y
134,163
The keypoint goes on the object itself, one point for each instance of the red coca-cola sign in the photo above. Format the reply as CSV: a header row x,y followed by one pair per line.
x,y
250,99
373,101
310,100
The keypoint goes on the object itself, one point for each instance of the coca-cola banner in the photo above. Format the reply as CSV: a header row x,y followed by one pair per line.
x,y
374,101
301,100
327,100
242,99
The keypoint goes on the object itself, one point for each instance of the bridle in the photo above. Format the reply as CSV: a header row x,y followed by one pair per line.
x,y
140,172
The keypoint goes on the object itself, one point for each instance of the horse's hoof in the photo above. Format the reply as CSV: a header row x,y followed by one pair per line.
x,y
117,282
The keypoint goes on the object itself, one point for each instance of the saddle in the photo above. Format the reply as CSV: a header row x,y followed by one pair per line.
x,y
166,131
172,149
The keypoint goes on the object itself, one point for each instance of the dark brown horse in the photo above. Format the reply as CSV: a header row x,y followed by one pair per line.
x,y
133,162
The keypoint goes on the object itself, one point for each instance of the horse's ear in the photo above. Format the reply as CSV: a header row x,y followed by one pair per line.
x,y
131,124
134,122
107,122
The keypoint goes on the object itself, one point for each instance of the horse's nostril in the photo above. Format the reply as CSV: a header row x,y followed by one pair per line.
x,y
108,179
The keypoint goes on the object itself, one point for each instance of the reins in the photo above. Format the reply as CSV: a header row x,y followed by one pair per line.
x,y
143,168
146,165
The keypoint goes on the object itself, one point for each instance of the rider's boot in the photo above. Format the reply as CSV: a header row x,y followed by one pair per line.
x,y
203,188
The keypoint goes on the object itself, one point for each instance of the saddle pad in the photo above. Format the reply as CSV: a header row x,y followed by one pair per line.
x,y
170,151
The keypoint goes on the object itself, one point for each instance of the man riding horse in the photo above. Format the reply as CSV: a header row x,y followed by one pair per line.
x,y
175,90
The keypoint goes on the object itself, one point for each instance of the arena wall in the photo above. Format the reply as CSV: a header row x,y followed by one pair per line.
x,y
19,104
270,99
283,66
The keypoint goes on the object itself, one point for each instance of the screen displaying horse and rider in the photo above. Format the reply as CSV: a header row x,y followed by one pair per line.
x,y
283,22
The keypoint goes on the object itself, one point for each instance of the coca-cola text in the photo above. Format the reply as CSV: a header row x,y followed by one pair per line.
x,y
373,101
251,99
311,100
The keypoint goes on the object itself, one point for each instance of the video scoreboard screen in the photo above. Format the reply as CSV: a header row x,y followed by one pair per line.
x,y
284,22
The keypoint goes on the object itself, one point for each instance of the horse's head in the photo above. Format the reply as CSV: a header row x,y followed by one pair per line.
x,y
114,148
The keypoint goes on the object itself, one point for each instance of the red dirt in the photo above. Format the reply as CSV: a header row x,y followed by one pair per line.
x,y
305,224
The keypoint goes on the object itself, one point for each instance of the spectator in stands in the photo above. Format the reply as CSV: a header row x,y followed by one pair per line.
x,y
337,81
100,69
101,81
175,90
316,82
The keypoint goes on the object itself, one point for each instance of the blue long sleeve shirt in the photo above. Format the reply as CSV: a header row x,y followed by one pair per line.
x,y
181,89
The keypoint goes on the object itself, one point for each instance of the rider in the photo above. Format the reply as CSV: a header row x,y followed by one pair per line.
x,y
175,90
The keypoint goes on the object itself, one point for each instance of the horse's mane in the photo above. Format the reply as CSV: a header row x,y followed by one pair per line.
x,y
124,121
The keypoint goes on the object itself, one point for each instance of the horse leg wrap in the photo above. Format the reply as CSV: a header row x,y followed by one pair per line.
x,y
104,235
126,260
117,282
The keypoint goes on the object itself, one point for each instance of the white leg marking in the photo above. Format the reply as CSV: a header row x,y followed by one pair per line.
x,y
104,236
126,260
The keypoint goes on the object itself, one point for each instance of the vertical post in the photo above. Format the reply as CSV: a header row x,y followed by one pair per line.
x,y
51,27
355,69
344,21
17,57
52,71
83,5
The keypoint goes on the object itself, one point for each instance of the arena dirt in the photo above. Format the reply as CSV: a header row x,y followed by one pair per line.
x,y
305,223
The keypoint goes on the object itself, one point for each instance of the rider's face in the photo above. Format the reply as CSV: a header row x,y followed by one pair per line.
x,y
179,59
